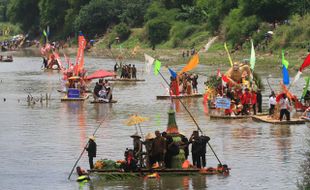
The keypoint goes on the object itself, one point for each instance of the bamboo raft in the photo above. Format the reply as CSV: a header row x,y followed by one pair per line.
x,y
65,98
125,80
230,117
264,118
103,102
164,97
161,172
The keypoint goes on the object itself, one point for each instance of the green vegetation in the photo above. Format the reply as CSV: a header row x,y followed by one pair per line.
x,y
166,23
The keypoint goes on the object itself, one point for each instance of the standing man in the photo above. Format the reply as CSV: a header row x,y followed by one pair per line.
x,y
91,149
199,149
158,149
134,72
272,103
285,107
259,99
254,101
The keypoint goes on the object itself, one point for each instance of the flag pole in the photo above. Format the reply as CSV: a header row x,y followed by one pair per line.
x,y
191,117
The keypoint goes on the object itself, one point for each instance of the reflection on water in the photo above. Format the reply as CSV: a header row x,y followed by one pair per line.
x,y
282,134
166,182
40,143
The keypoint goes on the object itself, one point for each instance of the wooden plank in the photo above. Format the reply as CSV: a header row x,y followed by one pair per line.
x,y
230,117
74,99
103,102
164,97
265,119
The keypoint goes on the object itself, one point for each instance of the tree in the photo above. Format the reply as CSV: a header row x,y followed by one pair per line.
x,y
52,14
158,31
26,13
96,17
267,10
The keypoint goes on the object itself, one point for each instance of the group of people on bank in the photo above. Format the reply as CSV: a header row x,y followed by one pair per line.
x,y
126,71
185,83
164,150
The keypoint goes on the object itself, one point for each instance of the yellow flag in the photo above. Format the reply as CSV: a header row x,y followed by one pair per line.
x,y
191,64
231,63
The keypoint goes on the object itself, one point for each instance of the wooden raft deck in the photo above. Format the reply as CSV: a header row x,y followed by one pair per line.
x,y
264,118
230,117
159,171
103,102
65,98
164,97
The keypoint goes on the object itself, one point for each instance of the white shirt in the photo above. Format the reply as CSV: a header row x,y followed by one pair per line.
x,y
284,103
272,101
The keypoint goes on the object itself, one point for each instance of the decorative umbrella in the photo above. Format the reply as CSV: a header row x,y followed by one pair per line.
x,y
136,120
100,74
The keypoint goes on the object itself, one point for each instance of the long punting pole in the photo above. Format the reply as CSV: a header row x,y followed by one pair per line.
x,y
85,148
191,117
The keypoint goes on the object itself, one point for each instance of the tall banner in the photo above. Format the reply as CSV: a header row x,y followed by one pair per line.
x,y
80,53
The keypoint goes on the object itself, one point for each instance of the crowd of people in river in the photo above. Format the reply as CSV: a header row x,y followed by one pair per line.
x,y
185,83
161,148
102,91
126,71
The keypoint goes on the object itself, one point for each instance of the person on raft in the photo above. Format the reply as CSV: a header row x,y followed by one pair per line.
x,y
285,107
199,147
80,171
158,149
137,148
272,103
92,150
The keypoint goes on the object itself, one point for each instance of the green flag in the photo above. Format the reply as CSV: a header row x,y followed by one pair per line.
x,y
284,61
306,87
157,67
252,58
44,33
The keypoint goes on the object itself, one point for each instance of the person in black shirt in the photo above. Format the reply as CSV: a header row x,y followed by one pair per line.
x,y
259,99
92,150
199,146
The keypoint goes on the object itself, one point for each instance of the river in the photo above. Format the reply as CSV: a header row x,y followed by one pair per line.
x,y
40,142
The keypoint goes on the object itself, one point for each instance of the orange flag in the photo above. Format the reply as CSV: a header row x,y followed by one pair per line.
x,y
191,64
80,53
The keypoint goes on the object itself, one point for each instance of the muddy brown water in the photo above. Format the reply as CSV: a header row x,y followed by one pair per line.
x,y
40,142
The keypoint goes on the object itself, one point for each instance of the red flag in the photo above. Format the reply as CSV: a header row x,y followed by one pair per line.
x,y
305,64
80,54
218,73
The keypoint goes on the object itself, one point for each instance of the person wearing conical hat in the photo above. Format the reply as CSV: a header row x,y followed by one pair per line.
x,y
92,150
137,147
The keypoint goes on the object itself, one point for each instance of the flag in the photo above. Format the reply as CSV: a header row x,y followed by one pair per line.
x,y
208,45
80,53
44,33
173,74
286,77
305,64
306,87
252,58
191,64
218,73
225,80
230,61
148,63
157,67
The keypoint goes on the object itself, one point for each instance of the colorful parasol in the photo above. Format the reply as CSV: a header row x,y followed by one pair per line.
x,y
136,120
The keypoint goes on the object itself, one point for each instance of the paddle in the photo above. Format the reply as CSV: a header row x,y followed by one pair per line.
x,y
191,117
85,148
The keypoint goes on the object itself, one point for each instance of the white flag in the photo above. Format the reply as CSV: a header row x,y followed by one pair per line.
x,y
148,63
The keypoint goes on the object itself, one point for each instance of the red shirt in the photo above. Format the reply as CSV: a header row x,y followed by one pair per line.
x,y
254,99
246,98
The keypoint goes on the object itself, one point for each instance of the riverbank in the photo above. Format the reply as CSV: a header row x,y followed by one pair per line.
x,y
215,56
